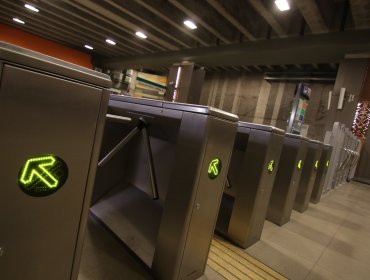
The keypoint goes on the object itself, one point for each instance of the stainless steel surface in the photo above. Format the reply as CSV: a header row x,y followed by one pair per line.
x,y
42,235
193,108
322,171
13,54
171,235
287,179
308,176
262,127
244,205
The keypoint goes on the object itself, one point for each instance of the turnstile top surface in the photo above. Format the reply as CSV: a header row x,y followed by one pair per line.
x,y
200,109
297,136
15,54
261,127
316,141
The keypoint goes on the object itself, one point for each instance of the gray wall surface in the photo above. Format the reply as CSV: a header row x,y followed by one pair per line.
x,y
255,100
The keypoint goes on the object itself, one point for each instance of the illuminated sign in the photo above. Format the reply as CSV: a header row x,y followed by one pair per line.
x,y
299,165
42,175
271,166
214,168
316,164
327,163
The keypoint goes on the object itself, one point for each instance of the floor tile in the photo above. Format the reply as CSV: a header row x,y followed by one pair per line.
x,y
347,267
269,229
281,260
320,273
313,229
297,245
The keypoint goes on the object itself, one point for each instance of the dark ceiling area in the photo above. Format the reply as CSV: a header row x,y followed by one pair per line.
x,y
232,35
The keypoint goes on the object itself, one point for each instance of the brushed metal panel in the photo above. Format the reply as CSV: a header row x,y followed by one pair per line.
x,y
41,114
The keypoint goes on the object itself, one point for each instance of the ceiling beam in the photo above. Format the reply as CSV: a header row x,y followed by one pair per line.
x,y
98,27
126,25
59,29
219,8
268,16
246,68
258,68
199,20
312,15
360,13
149,24
317,48
170,21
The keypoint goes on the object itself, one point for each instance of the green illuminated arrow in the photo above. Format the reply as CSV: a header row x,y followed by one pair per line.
x,y
316,164
37,168
299,165
214,168
271,166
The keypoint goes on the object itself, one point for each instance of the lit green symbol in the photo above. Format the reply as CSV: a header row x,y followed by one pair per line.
x,y
214,168
327,163
271,166
299,165
316,164
42,175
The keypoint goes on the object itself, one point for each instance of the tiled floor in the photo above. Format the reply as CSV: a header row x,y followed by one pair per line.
x,y
331,240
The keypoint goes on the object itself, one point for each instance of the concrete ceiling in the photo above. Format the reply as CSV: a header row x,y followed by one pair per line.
x,y
237,34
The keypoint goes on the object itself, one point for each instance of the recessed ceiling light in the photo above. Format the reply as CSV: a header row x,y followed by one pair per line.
x,y
32,8
18,20
190,24
89,47
111,42
141,35
282,5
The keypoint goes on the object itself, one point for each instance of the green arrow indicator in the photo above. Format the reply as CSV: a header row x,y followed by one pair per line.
x,y
42,175
327,163
316,164
271,166
214,168
299,165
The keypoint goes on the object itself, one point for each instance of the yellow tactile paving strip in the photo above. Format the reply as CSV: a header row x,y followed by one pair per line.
x,y
233,263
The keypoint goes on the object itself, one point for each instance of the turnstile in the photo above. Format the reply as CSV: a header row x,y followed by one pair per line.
x,y
251,175
51,121
308,176
322,170
160,181
288,175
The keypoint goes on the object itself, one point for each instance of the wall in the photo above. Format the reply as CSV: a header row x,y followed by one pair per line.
x,y
23,39
255,100
351,76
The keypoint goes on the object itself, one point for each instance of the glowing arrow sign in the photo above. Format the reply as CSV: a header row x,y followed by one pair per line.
x,y
42,175
271,166
327,163
214,168
316,164
299,165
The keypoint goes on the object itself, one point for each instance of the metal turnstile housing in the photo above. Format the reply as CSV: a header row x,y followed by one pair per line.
x,y
287,178
308,176
47,107
247,194
171,235
322,171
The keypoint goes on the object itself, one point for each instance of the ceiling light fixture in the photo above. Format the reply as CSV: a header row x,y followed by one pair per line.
x,y
190,24
111,42
141,35
282,5
89,47
18,20
32,8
